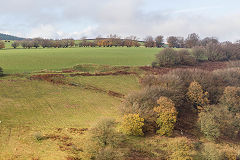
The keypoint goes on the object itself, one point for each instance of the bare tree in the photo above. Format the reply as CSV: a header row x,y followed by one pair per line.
x,y
159,41
172,42
192,40
208,40
2,45
15,44
149,42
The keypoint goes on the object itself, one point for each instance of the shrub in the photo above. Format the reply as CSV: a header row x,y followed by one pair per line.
x,y
102,138
167,57
39,136
210,152
209,126
167,116
215,52
229,154
218,121
196,95
199,53
132,125
212,81
182,149
109,153
185,58
231,98
104,133
154,64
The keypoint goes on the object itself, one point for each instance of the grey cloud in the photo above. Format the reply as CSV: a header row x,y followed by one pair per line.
x,y
56,18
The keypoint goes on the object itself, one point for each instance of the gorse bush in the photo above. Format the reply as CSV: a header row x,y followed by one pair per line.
x,y
132,125
167,116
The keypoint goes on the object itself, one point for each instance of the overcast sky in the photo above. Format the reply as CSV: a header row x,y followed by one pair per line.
x,y
90,18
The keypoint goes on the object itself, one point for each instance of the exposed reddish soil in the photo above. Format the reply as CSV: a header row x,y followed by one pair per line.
x,y
103,73
53,78
59,79
77,130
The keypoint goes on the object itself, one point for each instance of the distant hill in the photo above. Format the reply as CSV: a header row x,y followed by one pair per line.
x,y
9,37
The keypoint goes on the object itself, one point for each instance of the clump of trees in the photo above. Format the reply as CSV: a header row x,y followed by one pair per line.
x,y
116,41
169,57
175,42
2,45
211,52
15,44
64,43
187,97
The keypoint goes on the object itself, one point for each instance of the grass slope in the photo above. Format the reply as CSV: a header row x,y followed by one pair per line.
x,y
28,60
29,107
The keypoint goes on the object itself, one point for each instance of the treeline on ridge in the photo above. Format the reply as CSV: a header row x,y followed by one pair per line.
x,y
191,41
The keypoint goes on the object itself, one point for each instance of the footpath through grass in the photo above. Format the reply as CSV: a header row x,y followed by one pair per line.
x,y
29,60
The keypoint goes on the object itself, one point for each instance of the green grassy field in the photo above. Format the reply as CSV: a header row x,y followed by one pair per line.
x,y
30,107
29,60
35,108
